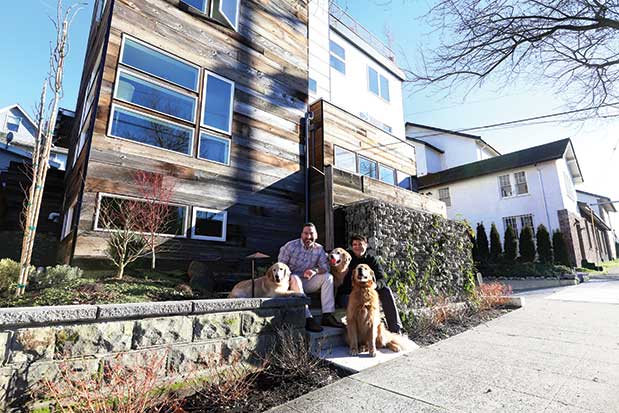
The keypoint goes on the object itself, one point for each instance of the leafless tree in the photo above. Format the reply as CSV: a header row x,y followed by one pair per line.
x,y
46,122
572,43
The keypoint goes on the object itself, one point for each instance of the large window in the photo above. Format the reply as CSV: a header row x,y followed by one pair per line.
x,y
505,186
386,174
217,106
138,127
520,185
378,84
209,224
443,195
518,222
345,160
224,11
368,167
337,57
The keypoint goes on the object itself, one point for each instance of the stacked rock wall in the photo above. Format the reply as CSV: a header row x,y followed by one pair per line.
x,y
435,249
181,337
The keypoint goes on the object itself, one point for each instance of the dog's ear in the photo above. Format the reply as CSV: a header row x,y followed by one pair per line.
x,y
287,271
354,274
269,273
373,275
347,257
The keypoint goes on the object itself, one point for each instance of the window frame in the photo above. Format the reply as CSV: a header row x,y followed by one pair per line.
x,y
334,55
224,231
501,186
354,154
379,77
111,123
516,183
19,120
446,200
158,82
393,174
159,50
359,157
236,17
67,221
410,180
204,100
100,196
228,142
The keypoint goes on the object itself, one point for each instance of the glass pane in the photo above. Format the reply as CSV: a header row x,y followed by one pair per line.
x,y
337,64
345,160
113,215
387,175
151,131
217,104
367,167
373,80
384,88
209,224
198,4
228,8
214,148
150,95
159,64
313,86
404,181
337,50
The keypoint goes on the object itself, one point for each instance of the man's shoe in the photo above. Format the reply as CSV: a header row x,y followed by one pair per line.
x,y
312,325
329,320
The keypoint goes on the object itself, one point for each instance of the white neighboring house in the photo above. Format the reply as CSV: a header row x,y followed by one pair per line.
x,y
438,149
529,187
15,120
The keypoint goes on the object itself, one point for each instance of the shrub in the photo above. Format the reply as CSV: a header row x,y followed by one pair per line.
x,y
56,276
544,249
482,243
527,246
9,274
495,244
492,295
559,248
524,269
511,244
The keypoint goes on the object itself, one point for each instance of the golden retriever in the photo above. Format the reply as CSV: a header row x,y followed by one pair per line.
x,y
275,283
364,329
339,259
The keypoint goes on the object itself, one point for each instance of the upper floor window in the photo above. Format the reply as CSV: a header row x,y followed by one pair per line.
x,y
345,159
368,167
337,57
312,85
100,8
505,186
378,84
217,109
12,123
443,195
386,174
520,185
224,11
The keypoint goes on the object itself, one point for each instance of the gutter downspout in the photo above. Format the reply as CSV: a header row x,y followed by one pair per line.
x,y
541,181
309,115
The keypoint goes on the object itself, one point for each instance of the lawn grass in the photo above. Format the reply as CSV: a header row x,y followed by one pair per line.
x,y
608,266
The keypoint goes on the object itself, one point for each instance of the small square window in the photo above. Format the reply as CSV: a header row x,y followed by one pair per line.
x,y
312,85
208,224
214,148
12,123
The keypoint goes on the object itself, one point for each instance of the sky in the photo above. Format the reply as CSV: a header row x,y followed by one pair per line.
x,y
26,32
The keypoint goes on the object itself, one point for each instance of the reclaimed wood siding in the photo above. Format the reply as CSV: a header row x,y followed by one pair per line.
x,y
263,188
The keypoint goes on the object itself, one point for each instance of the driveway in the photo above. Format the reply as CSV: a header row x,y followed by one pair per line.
x,y
560,353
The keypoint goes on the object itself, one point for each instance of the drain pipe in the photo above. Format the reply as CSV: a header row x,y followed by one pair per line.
x,y
309,116
541,181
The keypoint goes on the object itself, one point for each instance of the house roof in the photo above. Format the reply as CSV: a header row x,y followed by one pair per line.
x,y
602,197
518,159
429,145
18,106
586,212
451,132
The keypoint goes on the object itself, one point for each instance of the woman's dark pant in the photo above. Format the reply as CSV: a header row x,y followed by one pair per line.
x,y
394,324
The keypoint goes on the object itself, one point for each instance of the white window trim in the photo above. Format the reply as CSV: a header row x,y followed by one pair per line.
x,y
6,120
68,221
378,76
356,171
157,82
513,185
208,73
111,122
393,174
207,3
526,182
100,196
143,43
228,140
238,8
359,157
206,237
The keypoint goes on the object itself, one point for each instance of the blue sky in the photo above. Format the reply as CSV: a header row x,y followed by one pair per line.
x,y
26,32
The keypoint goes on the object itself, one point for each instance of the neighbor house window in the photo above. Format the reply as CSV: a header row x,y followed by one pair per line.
x,y
337,57
135,126
404,180
12,123
518,222
368,167
345,160
521,183
378,84
217,105
505,186
312,85
209,224
386,174
110,215
443,195
224,11
214,148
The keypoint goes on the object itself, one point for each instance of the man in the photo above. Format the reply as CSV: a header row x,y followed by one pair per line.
x,y
310,272
359,255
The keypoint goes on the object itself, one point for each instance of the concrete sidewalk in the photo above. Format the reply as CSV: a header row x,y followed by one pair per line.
x,y
560,353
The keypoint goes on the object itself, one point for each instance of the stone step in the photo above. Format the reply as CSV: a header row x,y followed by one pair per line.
x,y
327,339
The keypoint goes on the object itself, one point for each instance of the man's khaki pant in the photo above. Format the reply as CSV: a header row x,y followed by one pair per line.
x,y
322,282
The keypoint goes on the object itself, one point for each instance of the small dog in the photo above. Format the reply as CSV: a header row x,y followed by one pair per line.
x,y
339,259
364,328
275,283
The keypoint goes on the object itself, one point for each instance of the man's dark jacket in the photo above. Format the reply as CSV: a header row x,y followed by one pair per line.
x,y
370,260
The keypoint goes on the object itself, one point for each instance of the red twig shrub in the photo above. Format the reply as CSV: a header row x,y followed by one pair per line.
x,y
493,295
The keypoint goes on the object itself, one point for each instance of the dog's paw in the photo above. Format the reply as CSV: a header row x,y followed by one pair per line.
x,y
372,352
363,349
354,352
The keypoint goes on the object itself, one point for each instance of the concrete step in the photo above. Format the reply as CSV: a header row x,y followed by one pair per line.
x,y
328,339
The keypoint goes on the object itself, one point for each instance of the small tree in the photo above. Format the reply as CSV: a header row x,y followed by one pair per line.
x,y
544,249
495,244
482,243
527,246
511,244
559,248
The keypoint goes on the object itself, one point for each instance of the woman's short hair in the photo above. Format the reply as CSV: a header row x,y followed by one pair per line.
x,y
358,237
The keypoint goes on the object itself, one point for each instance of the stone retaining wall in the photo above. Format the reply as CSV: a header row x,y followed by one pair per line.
x,y
37,342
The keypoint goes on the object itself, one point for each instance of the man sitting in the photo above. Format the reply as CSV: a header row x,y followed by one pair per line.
x,y
359,255
308,263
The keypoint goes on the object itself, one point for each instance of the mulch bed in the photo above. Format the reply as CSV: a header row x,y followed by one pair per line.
x,y
455,326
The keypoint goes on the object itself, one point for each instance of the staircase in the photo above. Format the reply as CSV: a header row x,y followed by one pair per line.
x,y
330,345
